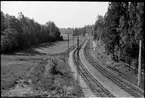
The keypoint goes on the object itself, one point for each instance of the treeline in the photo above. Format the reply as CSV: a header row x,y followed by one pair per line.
x,y
87,29
121,29
23,32
66,30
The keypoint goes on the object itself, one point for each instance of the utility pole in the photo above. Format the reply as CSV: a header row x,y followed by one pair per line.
x,y
68,44
73,39
78,46
139,64
78,58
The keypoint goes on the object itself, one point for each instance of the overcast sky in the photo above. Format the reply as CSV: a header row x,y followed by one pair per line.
x,y
63,14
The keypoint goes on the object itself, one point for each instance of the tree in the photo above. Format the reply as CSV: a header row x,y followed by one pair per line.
x,y
23,32
123,29
115,11
9,40
99,27
2,22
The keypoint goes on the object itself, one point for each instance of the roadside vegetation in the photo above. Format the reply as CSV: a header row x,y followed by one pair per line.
x,y
120,31
55,78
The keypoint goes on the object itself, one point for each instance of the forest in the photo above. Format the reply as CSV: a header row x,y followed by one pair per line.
x,y
120,30
22,32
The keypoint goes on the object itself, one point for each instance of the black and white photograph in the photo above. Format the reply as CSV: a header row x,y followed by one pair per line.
x,y
72,49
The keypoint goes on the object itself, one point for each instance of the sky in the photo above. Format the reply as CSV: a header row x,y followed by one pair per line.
x,y
63,14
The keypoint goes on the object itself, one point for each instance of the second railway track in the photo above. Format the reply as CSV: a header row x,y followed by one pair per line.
x,y
128,87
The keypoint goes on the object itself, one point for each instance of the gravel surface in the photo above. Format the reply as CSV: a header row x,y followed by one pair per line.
x,y
108,84
86,90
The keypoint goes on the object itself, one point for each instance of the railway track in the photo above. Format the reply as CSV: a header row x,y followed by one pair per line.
x,y
128,87
97,89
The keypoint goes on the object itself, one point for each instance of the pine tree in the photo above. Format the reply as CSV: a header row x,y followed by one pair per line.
x,y
112,35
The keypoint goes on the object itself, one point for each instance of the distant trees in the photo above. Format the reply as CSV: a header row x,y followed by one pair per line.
x,y
78,31
23,32
121,29
89,29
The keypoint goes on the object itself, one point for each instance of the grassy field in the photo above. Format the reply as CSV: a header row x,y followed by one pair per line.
x,y
49,48
38,71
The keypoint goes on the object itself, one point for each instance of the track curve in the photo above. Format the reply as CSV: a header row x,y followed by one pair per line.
x,y
97,89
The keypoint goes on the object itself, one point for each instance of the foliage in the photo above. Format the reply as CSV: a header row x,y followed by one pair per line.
x,y
87,29
121,29
98,28
23,32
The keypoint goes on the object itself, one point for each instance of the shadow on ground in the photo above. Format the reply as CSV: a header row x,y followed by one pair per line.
x,y
44,45
32,50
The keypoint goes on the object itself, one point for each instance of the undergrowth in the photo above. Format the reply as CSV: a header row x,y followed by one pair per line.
x,y
58,81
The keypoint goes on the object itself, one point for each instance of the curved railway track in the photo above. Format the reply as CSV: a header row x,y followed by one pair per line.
x,y
97,89
128,87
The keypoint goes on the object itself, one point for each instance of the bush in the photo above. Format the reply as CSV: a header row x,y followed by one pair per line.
x,y
9,40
